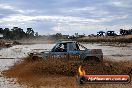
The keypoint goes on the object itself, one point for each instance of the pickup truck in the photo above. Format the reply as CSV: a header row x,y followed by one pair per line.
x,y
71,50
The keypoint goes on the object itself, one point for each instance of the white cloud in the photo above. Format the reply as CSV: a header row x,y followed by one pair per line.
x,y
21,18
6,6
24,18
99,13
92,11
122,3
25,11
15,9
118,3
79,9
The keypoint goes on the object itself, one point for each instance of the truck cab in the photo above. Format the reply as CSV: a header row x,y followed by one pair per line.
x,y
74,51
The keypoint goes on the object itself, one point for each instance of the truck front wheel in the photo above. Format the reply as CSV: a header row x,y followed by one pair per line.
x,y
91,59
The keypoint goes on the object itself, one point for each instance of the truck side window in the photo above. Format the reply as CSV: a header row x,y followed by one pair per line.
x,y
73,46
62,47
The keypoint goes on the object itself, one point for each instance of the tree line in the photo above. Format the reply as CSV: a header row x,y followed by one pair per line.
x,y
17,33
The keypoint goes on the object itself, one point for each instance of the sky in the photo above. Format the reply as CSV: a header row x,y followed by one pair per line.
x,y
66,16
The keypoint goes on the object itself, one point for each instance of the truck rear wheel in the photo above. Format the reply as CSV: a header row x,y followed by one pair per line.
x,y
36,58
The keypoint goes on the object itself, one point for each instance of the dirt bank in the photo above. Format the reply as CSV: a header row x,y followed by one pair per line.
x,y
60,74
113,39
3,42
8,43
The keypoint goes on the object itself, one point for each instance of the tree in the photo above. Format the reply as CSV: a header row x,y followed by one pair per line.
x,y
58,34
30,32
17,33
76,35
36,34
1,30
6,33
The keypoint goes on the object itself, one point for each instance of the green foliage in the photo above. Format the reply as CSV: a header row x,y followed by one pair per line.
x,y
17,33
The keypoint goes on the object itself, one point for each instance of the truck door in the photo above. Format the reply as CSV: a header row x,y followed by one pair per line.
x,y
59,51
74,52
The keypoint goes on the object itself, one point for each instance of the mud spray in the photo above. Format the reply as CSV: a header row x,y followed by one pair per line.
x,y
52,71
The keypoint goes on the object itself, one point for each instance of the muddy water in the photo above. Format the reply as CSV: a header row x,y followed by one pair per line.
x,y
20,51
8,56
